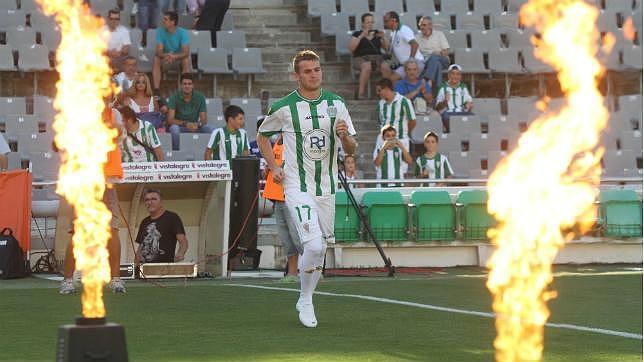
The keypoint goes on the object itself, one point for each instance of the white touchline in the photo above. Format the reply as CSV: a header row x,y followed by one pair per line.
x,y
450,310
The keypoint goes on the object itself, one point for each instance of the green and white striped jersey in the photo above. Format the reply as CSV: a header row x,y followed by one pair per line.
x,y
438,167
393,165
226,145
456,96
398,113
310,142
132,151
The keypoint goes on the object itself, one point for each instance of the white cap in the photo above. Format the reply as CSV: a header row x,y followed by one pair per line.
x,y
454,66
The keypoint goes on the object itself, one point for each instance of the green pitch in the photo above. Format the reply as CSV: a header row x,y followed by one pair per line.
x,y
213,321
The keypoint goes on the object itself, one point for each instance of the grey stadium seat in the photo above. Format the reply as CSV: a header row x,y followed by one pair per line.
x,y
10,19
607,21
609,141
229,22
631,103
249,105
342,43
199,39
136,35
632,55
166,141
515,5
471,60
8,5
101,7
631,140
194,143
619,5
16,125
469,20
508,21
12,105
501,124
620,163
250,125
493,159
519,38
14,160
452,7
465,125
35,142
460,162
409,19
317,8
486,39
383,6
334,23
28,5
213,61
489,7
248,61
6,58
487,106
522,105
534,65
504,60
145,58
186,21
21,37
478,143
230,39
214,109
41,22
421,7
44,165
33,58
151,38
424,124
441,22
456,38
51,38
356,7
180,156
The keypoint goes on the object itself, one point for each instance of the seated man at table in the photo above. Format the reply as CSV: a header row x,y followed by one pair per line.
x,y
159,233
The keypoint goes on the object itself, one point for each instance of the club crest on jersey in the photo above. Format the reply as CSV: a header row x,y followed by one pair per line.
x,y
316,144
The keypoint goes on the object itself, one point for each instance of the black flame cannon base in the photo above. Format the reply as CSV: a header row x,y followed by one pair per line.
x,y
91,339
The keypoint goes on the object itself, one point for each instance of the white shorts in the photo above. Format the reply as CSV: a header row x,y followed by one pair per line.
x,y
313,216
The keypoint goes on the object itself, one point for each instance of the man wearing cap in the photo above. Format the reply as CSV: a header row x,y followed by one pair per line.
x,y
453,98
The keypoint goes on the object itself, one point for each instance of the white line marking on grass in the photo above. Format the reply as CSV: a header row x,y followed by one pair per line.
x,y
449,310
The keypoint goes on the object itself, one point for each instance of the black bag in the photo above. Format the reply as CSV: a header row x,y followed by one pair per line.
x,y
12,261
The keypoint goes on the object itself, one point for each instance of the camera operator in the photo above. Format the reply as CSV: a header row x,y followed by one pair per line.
x,y
366,45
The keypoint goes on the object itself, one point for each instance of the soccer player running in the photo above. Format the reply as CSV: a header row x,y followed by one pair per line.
x,y
313,123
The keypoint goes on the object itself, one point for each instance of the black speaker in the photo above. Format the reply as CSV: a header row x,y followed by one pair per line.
x,y
243,207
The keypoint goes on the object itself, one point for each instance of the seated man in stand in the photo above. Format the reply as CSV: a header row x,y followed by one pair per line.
x,y
187,111
159,233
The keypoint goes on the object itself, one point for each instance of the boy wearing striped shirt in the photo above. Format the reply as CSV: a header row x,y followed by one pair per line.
x,y
230,141
431,164
140,142
314,123
453,98
391,157
396,110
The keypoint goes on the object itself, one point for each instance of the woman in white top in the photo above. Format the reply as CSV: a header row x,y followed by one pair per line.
x,y
139,97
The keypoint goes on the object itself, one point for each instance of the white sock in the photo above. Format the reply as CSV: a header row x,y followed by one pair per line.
x,y
312,261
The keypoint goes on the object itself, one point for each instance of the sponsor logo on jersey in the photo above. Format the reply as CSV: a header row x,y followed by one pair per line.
x,y
316,144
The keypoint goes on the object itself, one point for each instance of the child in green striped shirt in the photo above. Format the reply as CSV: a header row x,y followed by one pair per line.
x,y
431,164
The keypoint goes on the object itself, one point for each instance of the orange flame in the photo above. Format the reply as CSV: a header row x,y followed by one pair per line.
x,y
549,183
84,140
629,29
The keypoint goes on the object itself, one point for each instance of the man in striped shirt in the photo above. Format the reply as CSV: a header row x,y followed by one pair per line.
x,y
395,110
391,157
230,141
140,142
313,123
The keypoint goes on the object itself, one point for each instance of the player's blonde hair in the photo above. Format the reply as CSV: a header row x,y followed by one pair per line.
x,y
304,55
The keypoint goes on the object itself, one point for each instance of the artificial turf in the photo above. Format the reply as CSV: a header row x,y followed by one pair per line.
x,y
213,321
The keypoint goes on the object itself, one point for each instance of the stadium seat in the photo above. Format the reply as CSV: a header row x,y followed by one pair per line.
x,y
199,39
471,60
478,144
186,21
213,61
41,22
452,7
248,61
504,60
145,58
424,124
14,160
488,7
8,5
522,105
347,223
619,5
632,55
434,215
620,163
607,21
442,22
456,38
229,22
6,58
151,38
316,8
230,39
505,21
500,123
13,105
21,37
631,140
473,217
387,214
331,24
194,143
35,142
534,65
33,58
421,7
342,43
28,6
51,38
469,21
166,141
519,39
460,162
355,8
101,7
620,213
493,159
17,124
249,105
486,40
136,36
383,6
11,19
515,5
44,165
609,141
215,110
465,125
450,142
180,156
503,140
410,20
487,106
631,103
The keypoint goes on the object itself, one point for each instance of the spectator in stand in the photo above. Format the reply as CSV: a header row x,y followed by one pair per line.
x,y
172,49
209,15
391,157
146,15
139,142
453,98
365,45
178,5
351,172
431,164
4,150
402,47
141,100
187,111
395,110
230,141
118,44
434,47
125,79
414,88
